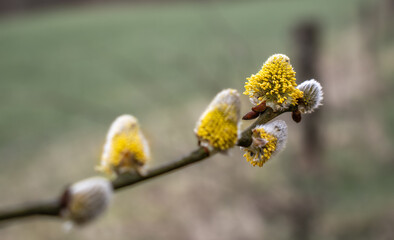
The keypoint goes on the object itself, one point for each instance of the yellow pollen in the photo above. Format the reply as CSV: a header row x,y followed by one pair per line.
x,y
219,126
258,154
127,150
275,82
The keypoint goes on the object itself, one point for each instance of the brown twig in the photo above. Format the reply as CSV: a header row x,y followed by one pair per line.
x,y
133,178
45,208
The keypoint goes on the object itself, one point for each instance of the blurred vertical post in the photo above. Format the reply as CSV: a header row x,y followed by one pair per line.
x,y
306,38
375,23
386,14
307,174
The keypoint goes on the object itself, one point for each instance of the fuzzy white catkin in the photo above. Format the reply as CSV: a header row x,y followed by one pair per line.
x,y
277,128
267,140
313,96
87,200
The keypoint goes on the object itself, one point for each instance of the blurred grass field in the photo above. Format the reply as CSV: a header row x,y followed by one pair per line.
x,y
66,74
73,69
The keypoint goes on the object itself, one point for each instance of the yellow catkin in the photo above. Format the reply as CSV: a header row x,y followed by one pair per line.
x,y
258,155
275,83
125,148
218,125
218,128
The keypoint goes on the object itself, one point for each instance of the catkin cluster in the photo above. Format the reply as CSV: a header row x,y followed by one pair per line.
x,y
218,129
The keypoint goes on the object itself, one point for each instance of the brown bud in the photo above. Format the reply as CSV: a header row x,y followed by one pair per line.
x,y
206,150
296,116
259,108
250,115
65,198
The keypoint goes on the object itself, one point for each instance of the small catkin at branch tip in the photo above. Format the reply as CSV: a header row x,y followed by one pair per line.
x,y
86,200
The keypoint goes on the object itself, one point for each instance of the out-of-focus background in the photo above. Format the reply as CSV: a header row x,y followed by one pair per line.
x,y
68,69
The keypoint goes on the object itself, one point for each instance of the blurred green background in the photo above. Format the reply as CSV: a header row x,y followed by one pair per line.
x,y
67,72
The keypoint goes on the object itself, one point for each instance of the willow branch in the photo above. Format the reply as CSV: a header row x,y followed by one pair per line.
x,y
53,207
45,208
130,179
